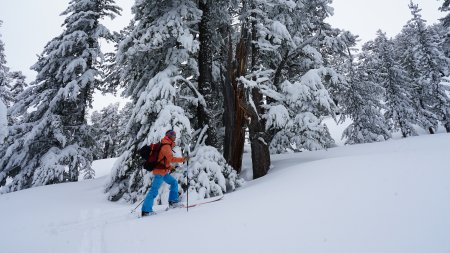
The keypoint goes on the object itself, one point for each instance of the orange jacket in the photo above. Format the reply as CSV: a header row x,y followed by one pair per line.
x,y
166,157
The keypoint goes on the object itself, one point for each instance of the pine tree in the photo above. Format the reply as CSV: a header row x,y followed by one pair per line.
x,y
446,25
445,8
4,73
427,65
405,47
4,94
153,62
17,84
122,136
362,101
157,65
3,123
393,78
285,88
209,174
106,127
52,142
343,64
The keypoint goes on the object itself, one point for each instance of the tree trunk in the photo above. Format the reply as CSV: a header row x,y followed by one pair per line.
x,y
205,80
235,118
238,132
260,154
431,130
402,129
422,106
106,150
229,102
258,138
446,123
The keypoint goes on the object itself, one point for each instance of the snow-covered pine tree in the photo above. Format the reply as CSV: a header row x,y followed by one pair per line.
x,y
153,63
3,123
122,135
426,64
17,84
105,125
4,70
404,47
446,8
362,101
389,73
52,142
446,24
96,120
342,64
209,174
157,65
4,93
286,91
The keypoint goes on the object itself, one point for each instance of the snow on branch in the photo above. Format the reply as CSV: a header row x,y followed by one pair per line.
x,y
171,117
277,117
200,99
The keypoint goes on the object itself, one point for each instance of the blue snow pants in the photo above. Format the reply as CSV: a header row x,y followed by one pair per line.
x,y
151,195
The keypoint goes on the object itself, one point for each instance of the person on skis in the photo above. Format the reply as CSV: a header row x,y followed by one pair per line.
x,y
161,173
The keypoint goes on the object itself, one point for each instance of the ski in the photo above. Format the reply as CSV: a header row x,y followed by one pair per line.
x,y
206,201
199,203
155,212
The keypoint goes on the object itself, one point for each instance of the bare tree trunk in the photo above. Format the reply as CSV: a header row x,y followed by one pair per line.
x,y
238,131
258,137
259,142
235,117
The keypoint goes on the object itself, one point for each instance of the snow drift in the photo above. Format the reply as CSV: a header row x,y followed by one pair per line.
x,y
382,197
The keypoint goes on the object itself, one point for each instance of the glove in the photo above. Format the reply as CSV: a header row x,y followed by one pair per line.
x,y
186,158
171,169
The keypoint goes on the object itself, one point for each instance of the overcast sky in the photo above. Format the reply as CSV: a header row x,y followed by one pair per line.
x,y
29,24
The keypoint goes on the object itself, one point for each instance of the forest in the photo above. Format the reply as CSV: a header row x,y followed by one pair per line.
x,y
222,74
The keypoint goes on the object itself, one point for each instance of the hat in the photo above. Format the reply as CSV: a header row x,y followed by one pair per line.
x,y
171,133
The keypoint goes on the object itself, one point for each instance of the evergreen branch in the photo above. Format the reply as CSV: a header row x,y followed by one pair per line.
x,y
200,97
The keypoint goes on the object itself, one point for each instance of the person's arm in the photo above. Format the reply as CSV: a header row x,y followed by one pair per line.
x,y
177,159
167,154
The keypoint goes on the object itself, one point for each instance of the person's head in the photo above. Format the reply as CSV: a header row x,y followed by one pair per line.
x,y
171,134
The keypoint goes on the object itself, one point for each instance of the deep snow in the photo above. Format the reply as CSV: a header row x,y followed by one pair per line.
x,y
389,197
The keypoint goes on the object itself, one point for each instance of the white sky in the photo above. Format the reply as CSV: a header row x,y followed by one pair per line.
x,y
28,25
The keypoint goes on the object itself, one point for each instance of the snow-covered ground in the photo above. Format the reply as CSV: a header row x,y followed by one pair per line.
x,y
389,197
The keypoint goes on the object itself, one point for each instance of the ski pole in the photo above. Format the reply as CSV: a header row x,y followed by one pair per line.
x,y
187,176
132,211
186,151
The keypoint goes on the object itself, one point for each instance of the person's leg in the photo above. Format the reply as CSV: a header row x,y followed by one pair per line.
x,y
173,195
151,195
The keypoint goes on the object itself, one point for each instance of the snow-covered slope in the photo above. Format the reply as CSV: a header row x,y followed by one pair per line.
x,y
382,197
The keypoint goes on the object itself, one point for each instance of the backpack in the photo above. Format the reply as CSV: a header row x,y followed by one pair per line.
x,y
149,155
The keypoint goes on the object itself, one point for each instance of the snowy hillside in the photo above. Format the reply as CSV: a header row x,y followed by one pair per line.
x,y
390,197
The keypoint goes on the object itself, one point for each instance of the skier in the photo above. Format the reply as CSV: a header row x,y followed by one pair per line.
x,y
162,174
